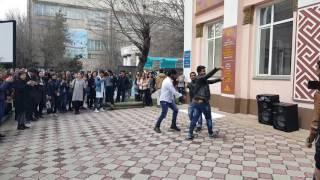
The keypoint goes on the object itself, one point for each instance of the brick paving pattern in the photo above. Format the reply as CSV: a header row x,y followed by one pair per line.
x,y
122,145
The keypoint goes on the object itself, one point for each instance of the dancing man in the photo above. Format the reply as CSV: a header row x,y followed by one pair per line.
x,y
168,93
200,101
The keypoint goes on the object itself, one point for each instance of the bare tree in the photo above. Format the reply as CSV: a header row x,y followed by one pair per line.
x,y
135,19
139,21
172,13
54,41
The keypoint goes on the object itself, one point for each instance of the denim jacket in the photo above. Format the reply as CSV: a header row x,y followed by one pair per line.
x,y
98,83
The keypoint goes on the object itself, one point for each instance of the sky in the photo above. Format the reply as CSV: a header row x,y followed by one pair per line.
x,y
6,5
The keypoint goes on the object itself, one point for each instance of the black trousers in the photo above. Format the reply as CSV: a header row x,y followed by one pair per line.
x,y
147,100
109,94
122,93
30,110
77,105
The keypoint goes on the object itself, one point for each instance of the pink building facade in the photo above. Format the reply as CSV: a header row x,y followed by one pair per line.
x,y
265,46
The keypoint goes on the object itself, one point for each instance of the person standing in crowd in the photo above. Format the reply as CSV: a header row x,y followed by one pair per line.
x,y
110,85
20,98
42,86
99,84
4,86
181,86
314,134
63,89
143,85
168,92
136,88
191,87
78,85
159,81
200,101
37,96
32,94
149,90
129,75
53,94
122,86
70,92
92,89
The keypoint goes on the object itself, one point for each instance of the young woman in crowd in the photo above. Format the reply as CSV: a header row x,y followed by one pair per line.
x,y
63,89
78,85
143,85
100,91
91,89
149,90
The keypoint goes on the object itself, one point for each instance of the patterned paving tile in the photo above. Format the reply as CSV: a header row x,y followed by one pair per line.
x,y
122,145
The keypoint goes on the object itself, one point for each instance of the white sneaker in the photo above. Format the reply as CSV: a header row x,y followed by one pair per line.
x,y
96,110
102,110
28,124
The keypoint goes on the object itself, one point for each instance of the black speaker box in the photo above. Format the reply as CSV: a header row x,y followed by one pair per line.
x,y
285,117
265,107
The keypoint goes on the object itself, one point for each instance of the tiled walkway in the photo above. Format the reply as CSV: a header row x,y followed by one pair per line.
x,y
122,145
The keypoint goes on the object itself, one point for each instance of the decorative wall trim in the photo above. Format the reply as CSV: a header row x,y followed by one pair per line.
x,y
307,51
199,30
248,15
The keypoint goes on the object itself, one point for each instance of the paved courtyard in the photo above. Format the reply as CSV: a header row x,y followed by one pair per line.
x,y
122,145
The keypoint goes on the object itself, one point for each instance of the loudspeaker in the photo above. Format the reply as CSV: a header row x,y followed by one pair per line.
x,y
265,107
285,117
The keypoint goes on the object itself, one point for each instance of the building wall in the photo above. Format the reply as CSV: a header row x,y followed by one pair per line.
x,y
247,84
96,59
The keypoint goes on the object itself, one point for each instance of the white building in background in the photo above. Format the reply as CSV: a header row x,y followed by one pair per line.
x,y
130,56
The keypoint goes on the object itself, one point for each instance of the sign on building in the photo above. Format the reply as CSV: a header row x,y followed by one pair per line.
x,y
78,44
186,59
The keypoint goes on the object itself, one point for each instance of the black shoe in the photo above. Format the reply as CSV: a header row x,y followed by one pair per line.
x,y
21,127
2,136
157,129
198,129
77,112
175,128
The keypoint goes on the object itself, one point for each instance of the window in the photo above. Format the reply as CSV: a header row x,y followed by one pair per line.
x,y
96,45
214,45
275,39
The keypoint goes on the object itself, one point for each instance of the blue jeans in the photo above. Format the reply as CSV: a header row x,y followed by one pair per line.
x,y
191,112
165,106
198,109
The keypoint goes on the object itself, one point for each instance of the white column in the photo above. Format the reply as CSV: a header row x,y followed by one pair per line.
x,y
125,61
137,60
188,15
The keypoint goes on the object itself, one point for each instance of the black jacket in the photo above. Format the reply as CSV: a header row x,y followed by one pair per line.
x,y
20,96
123,83
32,91
53,88
191,85
201,88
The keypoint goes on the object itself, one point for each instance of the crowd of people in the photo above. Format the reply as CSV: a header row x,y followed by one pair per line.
x,y
30,92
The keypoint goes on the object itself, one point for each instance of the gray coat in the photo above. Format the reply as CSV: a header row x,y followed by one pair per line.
x,y
78,89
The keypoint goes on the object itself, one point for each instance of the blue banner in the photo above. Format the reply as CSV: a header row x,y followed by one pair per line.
x,y
78,44
186,59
